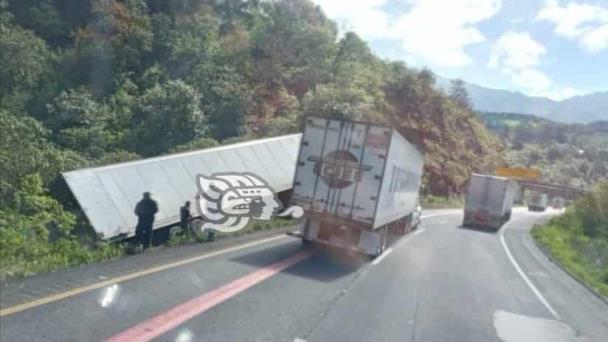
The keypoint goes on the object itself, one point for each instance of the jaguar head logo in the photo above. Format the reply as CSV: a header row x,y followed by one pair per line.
x,y
228,201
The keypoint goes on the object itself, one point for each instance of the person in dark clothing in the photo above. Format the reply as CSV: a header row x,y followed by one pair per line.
x,y
145,210
184,218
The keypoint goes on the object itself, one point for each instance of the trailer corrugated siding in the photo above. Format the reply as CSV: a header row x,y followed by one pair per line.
x,y
359,172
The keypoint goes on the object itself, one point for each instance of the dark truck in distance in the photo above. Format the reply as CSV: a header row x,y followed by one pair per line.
x,y
489,201
356,183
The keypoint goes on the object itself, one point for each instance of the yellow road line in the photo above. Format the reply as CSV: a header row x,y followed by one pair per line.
x,y
76,291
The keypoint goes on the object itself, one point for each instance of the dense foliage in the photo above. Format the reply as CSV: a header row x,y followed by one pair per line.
x,y
569,154
89,82
579,238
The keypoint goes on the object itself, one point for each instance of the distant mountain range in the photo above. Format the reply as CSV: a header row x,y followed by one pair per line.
x,y
581,109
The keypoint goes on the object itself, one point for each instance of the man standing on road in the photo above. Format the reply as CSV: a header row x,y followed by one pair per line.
x,y
184,218
145,210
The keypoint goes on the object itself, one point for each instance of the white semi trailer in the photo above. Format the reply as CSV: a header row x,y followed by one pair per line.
x,y
356,182
489,201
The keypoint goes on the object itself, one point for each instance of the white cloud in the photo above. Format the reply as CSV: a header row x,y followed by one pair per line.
x,y
431,32
588,24
516,50
362,16
518,56
596,40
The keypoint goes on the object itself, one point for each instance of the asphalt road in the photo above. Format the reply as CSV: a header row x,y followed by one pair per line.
x,y
441,283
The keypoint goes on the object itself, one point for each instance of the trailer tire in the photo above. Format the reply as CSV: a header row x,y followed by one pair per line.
x,y
196,228
175,232
383,241
417,225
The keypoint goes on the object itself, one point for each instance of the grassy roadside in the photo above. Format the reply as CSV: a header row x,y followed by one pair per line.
x,y
579,255
70,252
48,257
252,227
438,202
578,239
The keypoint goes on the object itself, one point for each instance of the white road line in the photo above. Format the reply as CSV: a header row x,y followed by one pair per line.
x,y
299,340
526,279
382,256
421,230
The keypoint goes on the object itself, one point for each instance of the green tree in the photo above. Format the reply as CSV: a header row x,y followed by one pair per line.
x,y
336,102
117,40
459,94
191,45
24,150
167,115
294,47
196,144
26,62
78,122
226,98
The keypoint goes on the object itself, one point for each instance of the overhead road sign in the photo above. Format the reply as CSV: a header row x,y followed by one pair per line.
x,y
518,173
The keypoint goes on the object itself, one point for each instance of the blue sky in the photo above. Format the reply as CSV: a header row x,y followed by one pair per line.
x,y
552,48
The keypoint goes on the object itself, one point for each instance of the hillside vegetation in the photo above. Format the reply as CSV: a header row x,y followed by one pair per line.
x,y
91,82
568,154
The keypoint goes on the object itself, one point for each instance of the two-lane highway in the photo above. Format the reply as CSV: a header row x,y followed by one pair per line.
x,y
441,283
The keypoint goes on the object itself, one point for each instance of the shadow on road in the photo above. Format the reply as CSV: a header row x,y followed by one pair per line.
x,y
480,229
324,265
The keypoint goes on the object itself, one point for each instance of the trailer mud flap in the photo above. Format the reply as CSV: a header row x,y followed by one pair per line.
x,y
369,241
310,229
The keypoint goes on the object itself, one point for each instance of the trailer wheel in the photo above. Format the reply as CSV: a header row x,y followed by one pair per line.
x,y
415,224
196,228
383,241
175,232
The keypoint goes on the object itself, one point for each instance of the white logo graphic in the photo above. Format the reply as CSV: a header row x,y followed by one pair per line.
x,y
227,201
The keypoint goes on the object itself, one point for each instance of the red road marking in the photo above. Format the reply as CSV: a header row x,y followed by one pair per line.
x,y
163,322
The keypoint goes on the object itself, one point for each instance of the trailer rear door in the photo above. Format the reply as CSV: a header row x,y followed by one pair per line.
x,y
339,168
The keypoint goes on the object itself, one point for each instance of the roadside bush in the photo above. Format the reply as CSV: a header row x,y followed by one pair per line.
x,y
592,209
578,239
35,235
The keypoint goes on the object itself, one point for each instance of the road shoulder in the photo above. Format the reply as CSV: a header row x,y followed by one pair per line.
x,y
575,304
19,291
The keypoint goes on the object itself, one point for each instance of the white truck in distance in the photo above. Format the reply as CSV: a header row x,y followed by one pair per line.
x,y
538,202
489,201
557,203
356,182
